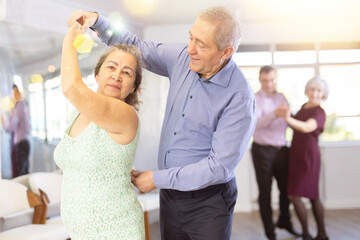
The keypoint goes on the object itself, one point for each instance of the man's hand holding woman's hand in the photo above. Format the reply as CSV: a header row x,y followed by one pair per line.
x,y
85,19
282,111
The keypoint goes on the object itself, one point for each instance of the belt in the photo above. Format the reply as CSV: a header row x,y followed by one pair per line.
x,y
268,146
195,193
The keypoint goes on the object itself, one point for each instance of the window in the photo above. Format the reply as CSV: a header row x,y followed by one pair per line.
x,y
37,112
252,75
291,82
294,57
342,105
338,64
252,58
49,109
337,56
56,109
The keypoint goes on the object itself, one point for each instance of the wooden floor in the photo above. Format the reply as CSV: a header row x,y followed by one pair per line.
x,y
340,225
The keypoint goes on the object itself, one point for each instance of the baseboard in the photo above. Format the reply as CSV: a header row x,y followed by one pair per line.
x,y
342,204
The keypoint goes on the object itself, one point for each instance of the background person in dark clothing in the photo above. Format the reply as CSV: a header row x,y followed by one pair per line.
x,y
17,122
270,153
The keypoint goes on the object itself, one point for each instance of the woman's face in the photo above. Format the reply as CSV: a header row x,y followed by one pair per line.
x,y
315,94
116,77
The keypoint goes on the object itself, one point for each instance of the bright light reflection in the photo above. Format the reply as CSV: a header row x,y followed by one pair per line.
x,y
87,45
18,82
52,83
116,21
140,8
252,58
295,57
7,104
2,9
36,78
337,56
344,85
51,68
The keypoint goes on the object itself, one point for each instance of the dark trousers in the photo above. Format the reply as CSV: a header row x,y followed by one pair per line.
x,y
271,162
13,159
21,153
205,214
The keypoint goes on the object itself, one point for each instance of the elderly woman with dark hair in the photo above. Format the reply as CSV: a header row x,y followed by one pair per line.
x,y
304,158
98,149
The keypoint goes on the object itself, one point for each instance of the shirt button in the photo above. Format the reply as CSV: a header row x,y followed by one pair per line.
x,y
174,133
183,115
168,151
191,97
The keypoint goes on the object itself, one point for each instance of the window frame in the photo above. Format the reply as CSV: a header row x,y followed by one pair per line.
x,y
317,47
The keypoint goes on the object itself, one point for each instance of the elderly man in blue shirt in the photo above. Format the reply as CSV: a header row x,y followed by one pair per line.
x,y
209,120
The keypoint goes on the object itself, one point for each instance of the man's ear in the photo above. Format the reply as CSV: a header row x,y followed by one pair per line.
x,y
227,51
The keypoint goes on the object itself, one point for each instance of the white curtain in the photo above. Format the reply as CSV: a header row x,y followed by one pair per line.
x,y
6,81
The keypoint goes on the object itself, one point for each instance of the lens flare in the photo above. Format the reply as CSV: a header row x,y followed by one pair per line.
x,y
7,104
36,78
79,39
83,43
140,8
116,21
51,68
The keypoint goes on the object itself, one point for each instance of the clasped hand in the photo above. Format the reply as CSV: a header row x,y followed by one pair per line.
x,y
144,181
282,111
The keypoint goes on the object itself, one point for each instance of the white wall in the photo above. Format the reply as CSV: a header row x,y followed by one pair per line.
x,y
269,32
153,97
339,179
340,175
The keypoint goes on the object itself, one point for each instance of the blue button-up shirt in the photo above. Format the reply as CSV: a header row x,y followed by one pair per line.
x,y
208,123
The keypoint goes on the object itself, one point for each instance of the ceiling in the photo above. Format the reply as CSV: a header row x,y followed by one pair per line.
x,y
32,30
149,12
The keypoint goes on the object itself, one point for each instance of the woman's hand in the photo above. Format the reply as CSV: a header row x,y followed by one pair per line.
x,y
72,36
282,111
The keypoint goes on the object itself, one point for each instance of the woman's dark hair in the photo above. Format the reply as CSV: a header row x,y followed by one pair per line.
x,y
133,98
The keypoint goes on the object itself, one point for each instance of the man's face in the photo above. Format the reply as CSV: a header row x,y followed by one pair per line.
x,y
268,81
205,57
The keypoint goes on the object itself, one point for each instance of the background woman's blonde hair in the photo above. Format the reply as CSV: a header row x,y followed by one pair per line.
x,y
318,81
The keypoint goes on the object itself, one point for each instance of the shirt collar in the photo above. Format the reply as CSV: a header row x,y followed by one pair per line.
x,y
222,78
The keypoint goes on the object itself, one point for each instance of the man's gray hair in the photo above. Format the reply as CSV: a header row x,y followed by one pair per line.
x,y
318,81
228,27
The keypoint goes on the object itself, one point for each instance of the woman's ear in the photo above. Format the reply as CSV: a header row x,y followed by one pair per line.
x,y
133,89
